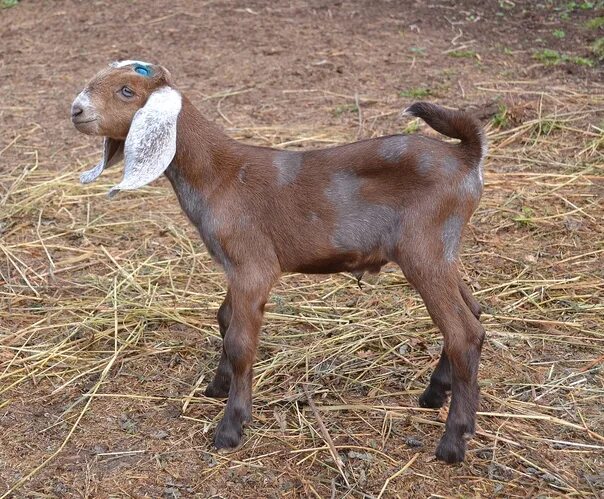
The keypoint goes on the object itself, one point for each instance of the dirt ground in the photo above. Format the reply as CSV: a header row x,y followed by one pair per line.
x,y
107,308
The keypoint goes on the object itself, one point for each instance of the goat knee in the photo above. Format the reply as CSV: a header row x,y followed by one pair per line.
x,y
464,352
239,347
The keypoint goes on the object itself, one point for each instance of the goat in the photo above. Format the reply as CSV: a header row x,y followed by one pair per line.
x,y
262,211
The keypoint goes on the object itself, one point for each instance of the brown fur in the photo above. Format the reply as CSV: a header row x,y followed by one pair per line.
x,y
353,208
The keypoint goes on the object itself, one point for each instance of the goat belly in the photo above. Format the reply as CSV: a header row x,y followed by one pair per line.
x,y
349,263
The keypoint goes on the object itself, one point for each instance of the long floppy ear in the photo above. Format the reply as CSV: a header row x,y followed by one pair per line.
x,y
151,142
113,153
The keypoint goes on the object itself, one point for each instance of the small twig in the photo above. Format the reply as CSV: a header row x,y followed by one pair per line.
x,y
188,398
398,473
326,436
593,363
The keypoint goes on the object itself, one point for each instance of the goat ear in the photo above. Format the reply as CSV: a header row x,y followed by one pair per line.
x,y
113,153
151,142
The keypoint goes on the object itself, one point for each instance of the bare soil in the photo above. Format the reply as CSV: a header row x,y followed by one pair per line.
x,y
107,308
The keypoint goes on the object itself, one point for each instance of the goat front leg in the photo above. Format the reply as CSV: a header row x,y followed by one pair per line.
x,y
240,342
219,386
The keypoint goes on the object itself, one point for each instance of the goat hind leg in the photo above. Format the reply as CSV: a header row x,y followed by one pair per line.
x,y
468,298
435,394
463,337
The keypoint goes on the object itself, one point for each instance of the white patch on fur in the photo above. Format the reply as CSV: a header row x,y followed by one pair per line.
x,y
122,64
288,165
151,142
94,173
484,149
471,185
360,225
451,236
83,100
391,149
113,153
424,162
451,164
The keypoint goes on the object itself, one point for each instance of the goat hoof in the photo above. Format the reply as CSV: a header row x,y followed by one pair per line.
x,y
432,399
451,450
216,391
228,436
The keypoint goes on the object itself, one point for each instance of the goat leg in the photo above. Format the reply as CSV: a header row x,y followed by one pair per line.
x,y
240,342
220,384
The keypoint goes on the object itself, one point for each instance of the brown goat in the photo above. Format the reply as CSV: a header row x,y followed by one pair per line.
x,y
262,211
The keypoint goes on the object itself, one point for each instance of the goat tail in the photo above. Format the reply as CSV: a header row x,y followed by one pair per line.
x,y
455,124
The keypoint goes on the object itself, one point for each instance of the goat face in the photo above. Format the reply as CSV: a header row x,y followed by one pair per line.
x,y
111,99
133,105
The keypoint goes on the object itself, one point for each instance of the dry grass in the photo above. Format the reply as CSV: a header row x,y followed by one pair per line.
x,y
109,306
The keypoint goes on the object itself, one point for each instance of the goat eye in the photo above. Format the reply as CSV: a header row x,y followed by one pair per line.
x,y
127,92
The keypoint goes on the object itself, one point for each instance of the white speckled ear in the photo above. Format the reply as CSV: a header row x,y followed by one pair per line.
x,y
113,153
151,142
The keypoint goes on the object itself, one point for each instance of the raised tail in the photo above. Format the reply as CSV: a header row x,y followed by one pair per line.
x,y
456,124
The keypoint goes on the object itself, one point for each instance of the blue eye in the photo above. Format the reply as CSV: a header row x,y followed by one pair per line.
x,y
142,70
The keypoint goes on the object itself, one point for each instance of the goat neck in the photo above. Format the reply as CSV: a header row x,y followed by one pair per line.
x,y
205,157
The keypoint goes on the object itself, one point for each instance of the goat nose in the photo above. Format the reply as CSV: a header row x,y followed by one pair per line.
x,y
76,111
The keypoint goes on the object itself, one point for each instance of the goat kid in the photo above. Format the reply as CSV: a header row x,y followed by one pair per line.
x,y
262,211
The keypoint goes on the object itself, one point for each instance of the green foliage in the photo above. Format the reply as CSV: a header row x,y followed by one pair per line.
x,y
412,127
567,9
559,33
546,127
548,57
595,23
571,6
525,218
598,49
5,4
345,108
416,93
500,119
580,61
553,57
587,5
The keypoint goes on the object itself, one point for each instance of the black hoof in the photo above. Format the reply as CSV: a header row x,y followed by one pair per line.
x,y
451,450
228,435
432,399
216,391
